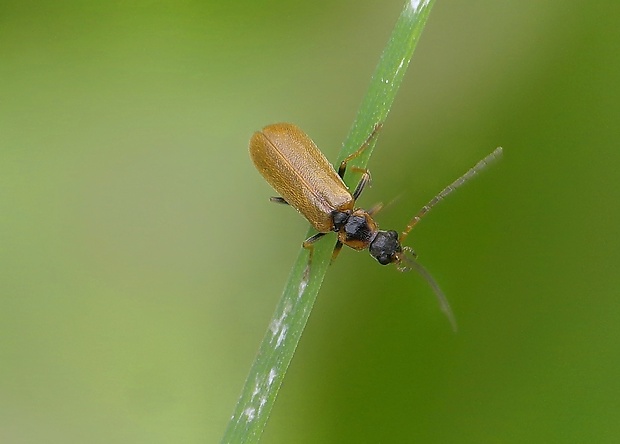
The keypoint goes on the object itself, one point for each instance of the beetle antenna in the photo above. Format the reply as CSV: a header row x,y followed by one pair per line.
x,y
441,297
450,188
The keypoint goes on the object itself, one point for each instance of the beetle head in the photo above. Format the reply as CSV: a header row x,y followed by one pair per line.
x,y
386,248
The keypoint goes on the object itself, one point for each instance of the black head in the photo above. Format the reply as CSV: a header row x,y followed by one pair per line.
x,y
385,247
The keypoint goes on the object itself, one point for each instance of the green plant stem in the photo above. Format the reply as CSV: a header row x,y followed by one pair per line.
x,y
286,327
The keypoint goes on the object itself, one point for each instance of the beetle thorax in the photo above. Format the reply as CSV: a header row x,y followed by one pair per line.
x,y
356,229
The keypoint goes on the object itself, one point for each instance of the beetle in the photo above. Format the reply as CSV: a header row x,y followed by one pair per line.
x,y
296,169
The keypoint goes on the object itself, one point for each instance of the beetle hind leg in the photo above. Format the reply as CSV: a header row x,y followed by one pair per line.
x,y
308,244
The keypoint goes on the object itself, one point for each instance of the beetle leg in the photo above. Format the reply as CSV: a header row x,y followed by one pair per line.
x,y
278,199
360,150
365,180
336,251
375,209
308,245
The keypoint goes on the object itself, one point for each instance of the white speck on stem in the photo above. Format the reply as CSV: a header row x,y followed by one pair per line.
x,y
282,335
276,324
417,4
261,403
256,390
271,377
250,413
400,66
302,287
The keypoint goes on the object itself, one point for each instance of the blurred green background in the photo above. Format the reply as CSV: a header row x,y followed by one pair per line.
x,y
141,259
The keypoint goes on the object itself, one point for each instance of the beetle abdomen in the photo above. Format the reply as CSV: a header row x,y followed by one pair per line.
x,y
293,165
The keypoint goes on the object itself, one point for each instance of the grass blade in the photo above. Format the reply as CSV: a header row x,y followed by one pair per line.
x,y
286,327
